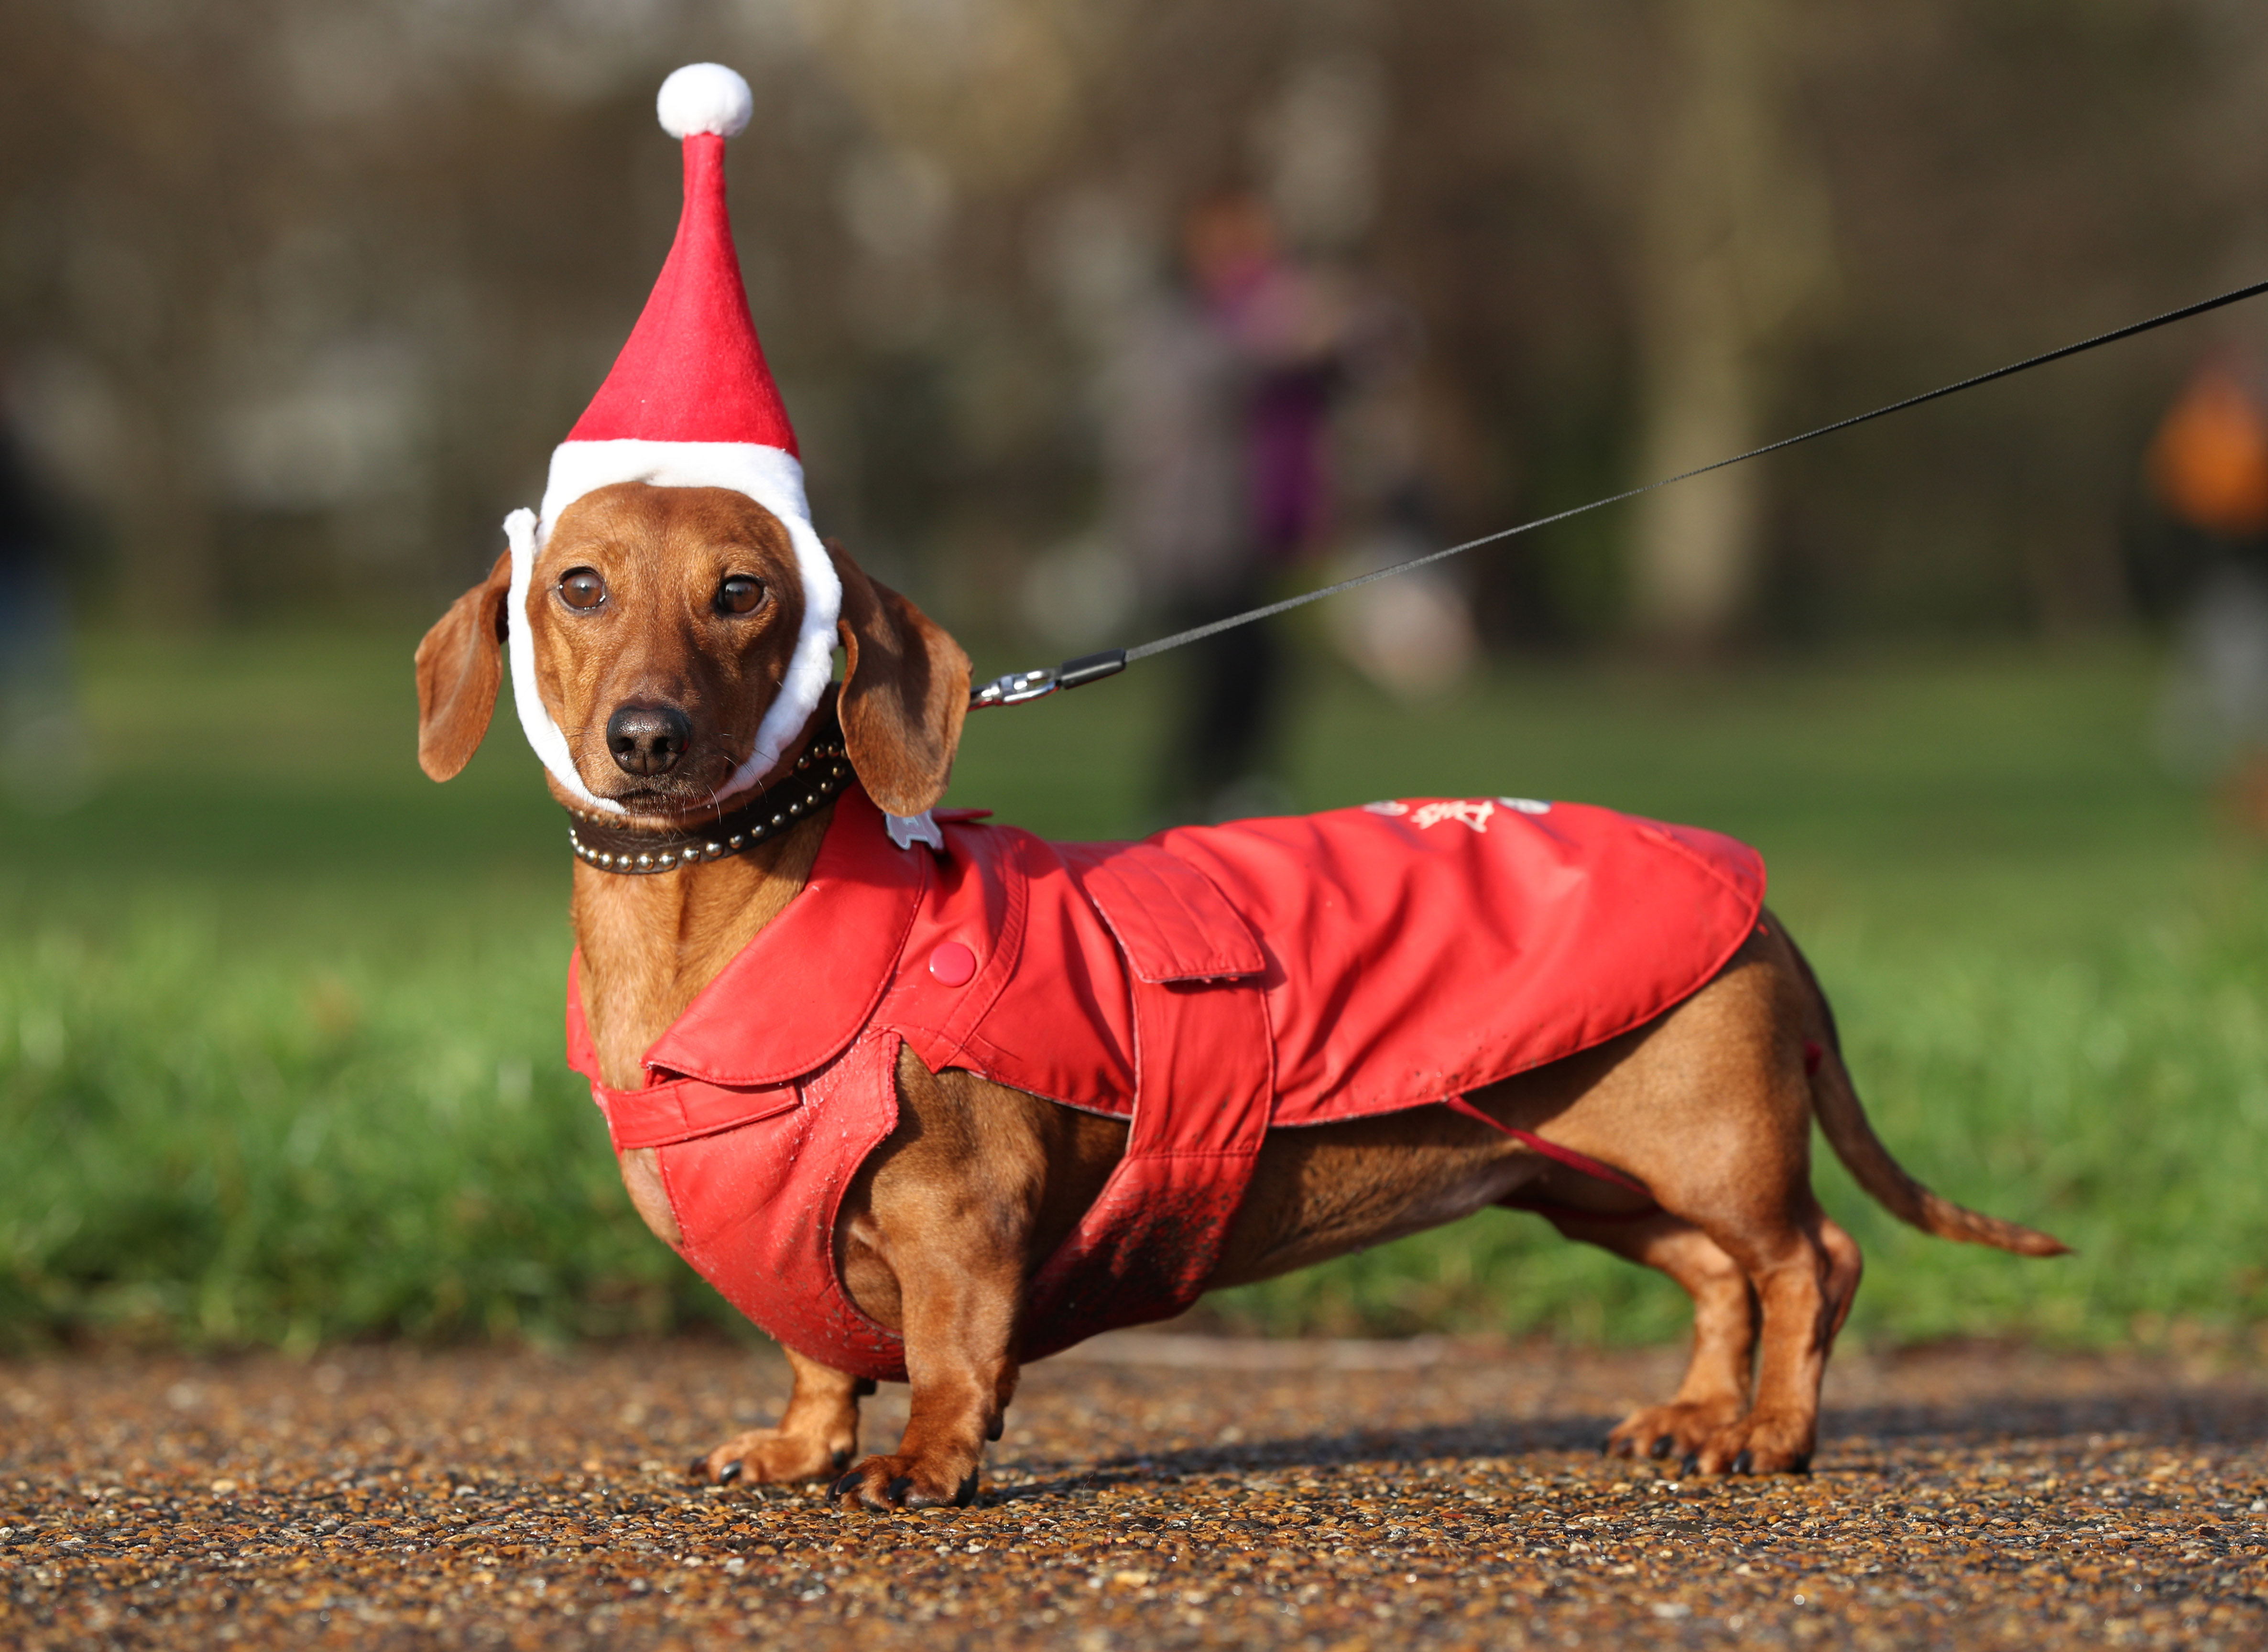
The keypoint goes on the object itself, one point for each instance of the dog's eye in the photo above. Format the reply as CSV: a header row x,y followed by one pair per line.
x,y
739,594
580,588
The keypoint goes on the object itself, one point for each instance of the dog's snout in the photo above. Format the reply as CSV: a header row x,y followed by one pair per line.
x,y
647,740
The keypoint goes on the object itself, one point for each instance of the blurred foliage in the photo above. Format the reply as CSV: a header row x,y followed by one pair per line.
x,y
280,1037
295,298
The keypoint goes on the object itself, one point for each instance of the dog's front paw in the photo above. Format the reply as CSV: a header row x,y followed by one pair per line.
x,y
1759,1444
768,1457
1674,1432
906,1482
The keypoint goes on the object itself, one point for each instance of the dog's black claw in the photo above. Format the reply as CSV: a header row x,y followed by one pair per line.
x,y
845,1487
697,1469
896,1493
1743,1464
967,1494
1662,1446
842,1459
999,1426
730,1473
1691,1465
1801,1465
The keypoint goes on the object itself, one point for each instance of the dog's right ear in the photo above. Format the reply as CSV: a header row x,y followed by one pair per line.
x,y
460,667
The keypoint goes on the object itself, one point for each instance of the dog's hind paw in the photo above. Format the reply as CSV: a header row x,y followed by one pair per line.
x,y
767,1457
903,1482
1760,1445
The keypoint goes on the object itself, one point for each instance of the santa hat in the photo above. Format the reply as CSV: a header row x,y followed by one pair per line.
x,y
689,404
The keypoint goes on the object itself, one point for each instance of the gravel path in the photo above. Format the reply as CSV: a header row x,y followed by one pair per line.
x,y
1153,1491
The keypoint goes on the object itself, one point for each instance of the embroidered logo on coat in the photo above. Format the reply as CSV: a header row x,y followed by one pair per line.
x,y
1473,812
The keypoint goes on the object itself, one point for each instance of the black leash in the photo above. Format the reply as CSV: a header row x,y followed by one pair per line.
x,y
1018,687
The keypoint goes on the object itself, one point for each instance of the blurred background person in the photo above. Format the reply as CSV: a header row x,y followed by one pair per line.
x,y
1217,427
2207,472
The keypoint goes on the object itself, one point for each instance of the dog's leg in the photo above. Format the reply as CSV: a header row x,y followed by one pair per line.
x,y
817,1434
1715,1392
1710,1109
1804,1276
938,1237
959,1332
1761,1282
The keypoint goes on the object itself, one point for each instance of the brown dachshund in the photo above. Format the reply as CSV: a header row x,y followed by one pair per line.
x,y
681,605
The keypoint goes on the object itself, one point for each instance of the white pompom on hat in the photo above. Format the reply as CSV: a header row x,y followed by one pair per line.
x,y
705,98
689,403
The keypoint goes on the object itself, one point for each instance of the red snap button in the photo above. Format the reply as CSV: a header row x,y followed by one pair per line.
x,y
953,964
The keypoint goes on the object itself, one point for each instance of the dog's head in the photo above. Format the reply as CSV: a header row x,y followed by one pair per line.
x,y
663,622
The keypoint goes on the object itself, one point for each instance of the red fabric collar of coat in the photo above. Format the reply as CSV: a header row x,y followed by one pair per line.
x,y
854,913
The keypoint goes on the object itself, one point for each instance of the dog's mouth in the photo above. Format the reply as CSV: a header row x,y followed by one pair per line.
x,y
676,799
654,802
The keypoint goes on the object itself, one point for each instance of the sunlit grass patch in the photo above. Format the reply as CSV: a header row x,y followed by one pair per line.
x,y
280,1050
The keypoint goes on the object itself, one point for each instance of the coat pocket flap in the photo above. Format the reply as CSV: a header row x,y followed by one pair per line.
x,y
1173,924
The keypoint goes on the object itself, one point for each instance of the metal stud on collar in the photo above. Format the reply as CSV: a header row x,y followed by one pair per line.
x,y
668,854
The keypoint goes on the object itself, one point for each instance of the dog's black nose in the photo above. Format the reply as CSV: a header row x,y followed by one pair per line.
x,y
647,740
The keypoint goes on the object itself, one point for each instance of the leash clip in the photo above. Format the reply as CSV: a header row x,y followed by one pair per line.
x,y
1016,687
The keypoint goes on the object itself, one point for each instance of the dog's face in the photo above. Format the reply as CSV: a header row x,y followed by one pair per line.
x,y
663,619
663,622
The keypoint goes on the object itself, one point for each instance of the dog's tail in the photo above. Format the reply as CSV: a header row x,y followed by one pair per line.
x,y
1835,1100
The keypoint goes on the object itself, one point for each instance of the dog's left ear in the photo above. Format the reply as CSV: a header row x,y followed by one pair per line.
x,y
459,669
905,692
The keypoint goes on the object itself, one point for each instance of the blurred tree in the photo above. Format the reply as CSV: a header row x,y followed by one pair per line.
x,y
299,293
1734,244
129,207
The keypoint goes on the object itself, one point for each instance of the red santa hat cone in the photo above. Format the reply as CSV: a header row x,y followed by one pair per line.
x,y
689,404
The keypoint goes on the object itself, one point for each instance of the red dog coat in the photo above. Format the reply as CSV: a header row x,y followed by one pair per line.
x,y
1208,984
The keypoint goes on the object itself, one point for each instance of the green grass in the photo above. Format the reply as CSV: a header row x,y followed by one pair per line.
x,y
279,1019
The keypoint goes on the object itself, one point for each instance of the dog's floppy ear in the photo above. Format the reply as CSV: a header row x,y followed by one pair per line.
x,y
905,692
459,669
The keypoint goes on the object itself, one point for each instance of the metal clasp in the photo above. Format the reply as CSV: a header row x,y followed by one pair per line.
x,y
1018,686
1015,689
